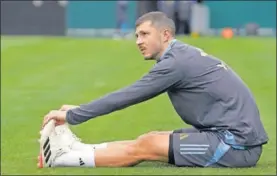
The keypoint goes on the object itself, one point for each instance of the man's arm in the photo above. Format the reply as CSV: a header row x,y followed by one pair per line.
x,y
164,75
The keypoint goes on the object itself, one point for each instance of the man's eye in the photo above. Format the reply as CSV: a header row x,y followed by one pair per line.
x,y
144,33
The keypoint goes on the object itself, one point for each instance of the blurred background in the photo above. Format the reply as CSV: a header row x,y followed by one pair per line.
x,y
117,18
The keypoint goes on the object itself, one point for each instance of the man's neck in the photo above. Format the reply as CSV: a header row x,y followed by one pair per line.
x,y
165,49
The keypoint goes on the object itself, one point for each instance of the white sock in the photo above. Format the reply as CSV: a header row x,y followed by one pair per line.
x,y
75,159
79,146
99,146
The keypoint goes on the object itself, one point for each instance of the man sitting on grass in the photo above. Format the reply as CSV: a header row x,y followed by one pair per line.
x,y
205,92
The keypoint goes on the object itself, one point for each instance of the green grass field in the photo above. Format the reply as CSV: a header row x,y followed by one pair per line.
x,y
40,74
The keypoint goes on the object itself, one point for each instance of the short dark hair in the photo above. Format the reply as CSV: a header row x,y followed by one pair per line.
x,y
158,19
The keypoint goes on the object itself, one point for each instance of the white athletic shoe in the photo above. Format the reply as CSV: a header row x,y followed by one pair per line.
x,y
69,138
51,146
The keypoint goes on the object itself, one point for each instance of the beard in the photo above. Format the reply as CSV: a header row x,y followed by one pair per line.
x,y
152,57
149,58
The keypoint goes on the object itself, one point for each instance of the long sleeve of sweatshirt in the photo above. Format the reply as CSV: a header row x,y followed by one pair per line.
x,y
158,80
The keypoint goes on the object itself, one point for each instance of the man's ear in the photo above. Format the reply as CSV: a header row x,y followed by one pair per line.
x,y
166,35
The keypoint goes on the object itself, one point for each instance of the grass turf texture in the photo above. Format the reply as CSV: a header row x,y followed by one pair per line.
x,y
39,74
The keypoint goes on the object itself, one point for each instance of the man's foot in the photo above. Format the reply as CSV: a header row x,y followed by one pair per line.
x,y
67,136
51,146
56,148
73,142
70,139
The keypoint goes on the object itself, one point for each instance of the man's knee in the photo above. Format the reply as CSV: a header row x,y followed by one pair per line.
x,y
151,132
159,132
145,142
138,148
149,146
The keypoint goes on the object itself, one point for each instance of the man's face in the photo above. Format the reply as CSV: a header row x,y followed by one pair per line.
x,y
149,40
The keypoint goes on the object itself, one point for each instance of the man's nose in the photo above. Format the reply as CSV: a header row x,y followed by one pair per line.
x,y
138,41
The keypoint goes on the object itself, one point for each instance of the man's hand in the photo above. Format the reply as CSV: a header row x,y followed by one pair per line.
x,y
67,107
57,116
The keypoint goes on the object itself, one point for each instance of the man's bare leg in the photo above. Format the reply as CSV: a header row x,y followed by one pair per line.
x,y
123,142
150,146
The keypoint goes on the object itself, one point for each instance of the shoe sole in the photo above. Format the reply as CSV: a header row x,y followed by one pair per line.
x,y
45,152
